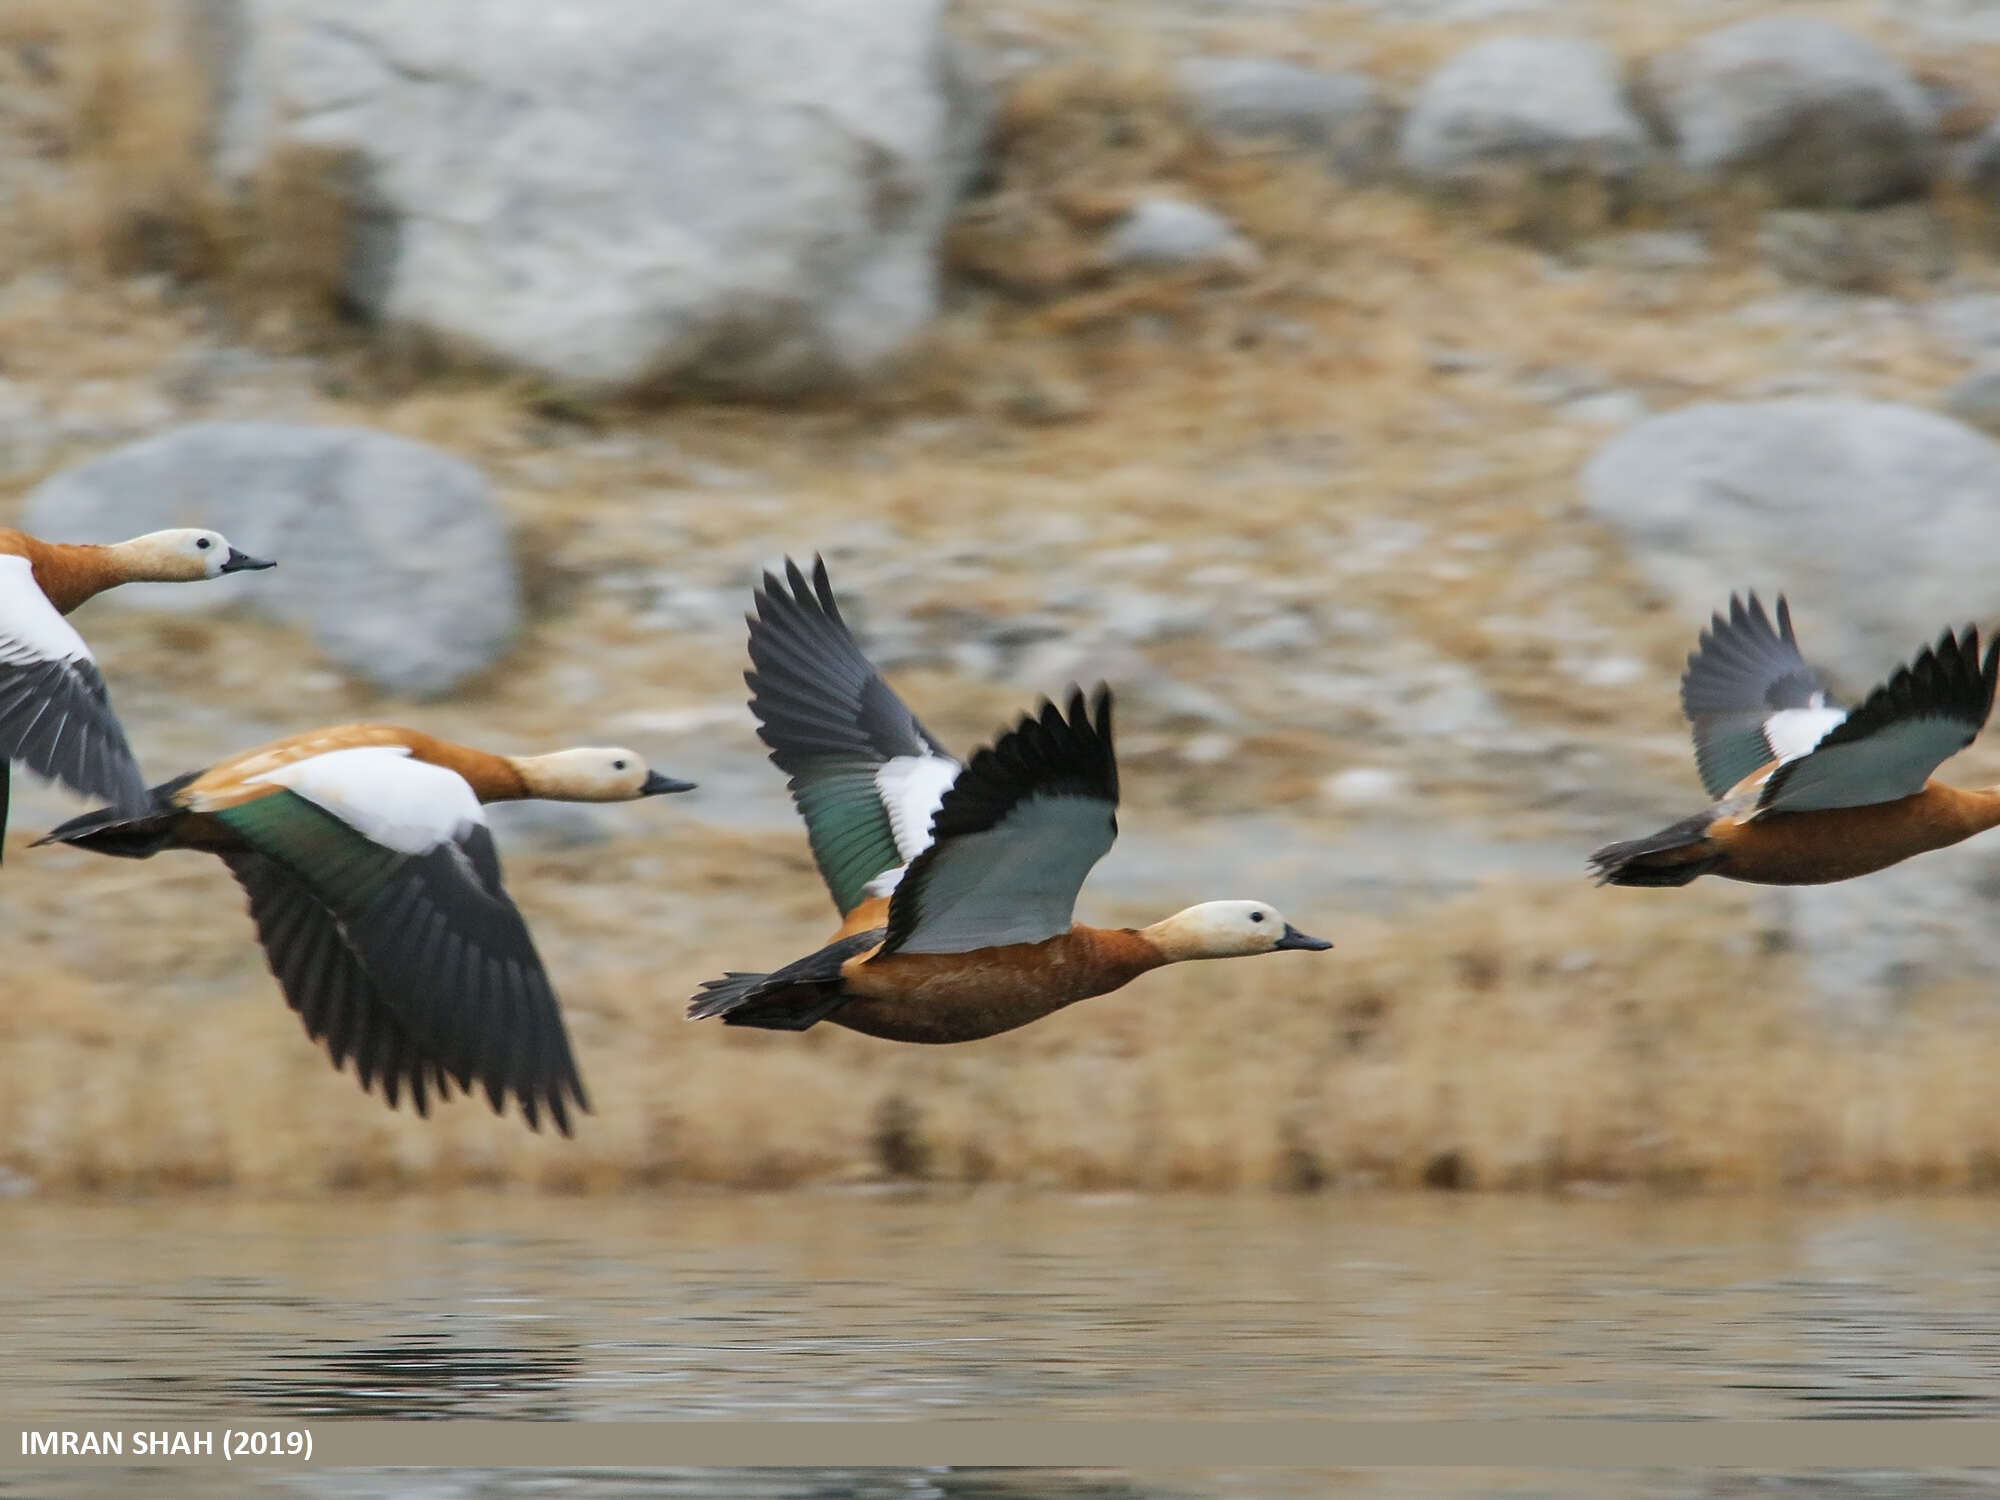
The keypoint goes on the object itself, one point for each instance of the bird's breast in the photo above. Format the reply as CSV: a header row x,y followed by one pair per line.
x,y
961,997
1839,843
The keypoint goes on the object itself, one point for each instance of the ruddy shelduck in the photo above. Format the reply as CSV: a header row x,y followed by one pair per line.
x,y
377,895
55,717
1807,792
955,883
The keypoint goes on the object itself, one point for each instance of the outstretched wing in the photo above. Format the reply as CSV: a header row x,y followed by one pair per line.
x,y
1015,837
865,775
324,982
1888,747
398,855
1750,697
55,716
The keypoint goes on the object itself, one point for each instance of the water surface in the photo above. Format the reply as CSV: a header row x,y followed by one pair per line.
x,y
869,1305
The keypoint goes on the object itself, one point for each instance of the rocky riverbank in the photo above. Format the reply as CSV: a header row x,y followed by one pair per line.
x,y
1389,496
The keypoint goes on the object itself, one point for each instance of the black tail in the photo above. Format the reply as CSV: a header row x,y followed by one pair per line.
x,y
124,833
797,996
1673,856
719,997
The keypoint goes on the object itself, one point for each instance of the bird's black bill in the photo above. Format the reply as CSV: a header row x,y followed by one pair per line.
x,y
1293,938
657,785
243,562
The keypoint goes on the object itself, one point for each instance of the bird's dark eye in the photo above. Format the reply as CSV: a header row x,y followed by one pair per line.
x,y
618,765
1256,916
203,543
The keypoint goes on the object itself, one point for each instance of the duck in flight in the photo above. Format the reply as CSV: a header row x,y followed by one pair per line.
x,y
955,883
1808,792
376,891
55,717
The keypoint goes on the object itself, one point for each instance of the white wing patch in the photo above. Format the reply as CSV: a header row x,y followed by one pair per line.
x,y
31,629
1893,762
885,884
911,787
1792,732
410,806
1014,883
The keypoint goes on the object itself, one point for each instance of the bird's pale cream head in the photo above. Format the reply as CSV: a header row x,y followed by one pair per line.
x,y
1227,929
593,774
184,554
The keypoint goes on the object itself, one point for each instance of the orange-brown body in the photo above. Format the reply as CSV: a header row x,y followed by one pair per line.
x,y
67,573
961,997
867,917
493,778
1814,848
232,782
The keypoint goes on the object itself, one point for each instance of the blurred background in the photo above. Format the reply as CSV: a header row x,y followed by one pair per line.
x,y
1378,395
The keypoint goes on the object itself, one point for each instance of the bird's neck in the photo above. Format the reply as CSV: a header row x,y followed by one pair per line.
x,y
1177,940
1134,950
493,778
69,572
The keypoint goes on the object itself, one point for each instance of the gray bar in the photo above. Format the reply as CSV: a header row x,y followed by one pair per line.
x,y
1887,1444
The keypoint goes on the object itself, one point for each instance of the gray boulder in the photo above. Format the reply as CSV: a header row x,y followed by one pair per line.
x,y
1551,105
1975,400
1882,521
1169,232
1342,117
1810,109
393,556
1882,524
1966,321
621,192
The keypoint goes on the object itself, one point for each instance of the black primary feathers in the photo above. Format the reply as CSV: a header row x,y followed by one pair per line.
x,y
449,958
832,723
325,984
417,967
56,719
1743,671
1046,755
1948,683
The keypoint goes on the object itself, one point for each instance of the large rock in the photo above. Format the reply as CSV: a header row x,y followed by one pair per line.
x,y
392,555
619,192
1550,105
1882,524
1160,231
1882,521
1807,107
1339,116
1975,400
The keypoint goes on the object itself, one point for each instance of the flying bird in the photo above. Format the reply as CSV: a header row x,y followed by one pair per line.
x,y
1807,792
956,883
55,716
376,891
